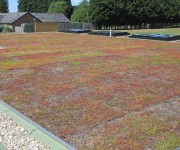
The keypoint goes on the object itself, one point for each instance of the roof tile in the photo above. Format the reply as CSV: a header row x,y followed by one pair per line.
x,y
44,17
51,17
11,17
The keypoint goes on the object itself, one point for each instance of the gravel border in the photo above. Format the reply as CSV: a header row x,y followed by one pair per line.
x,y
15,137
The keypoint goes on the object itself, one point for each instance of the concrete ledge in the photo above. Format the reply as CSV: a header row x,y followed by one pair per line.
x,y
36,131
54,145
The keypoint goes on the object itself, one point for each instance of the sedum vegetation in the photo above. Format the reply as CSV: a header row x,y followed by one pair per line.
x,y
95,92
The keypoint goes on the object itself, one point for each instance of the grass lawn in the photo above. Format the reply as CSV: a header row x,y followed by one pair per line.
x,y
95,92
171,31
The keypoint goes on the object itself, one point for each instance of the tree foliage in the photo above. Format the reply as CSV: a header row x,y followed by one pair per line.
x,y
43,6
171,10
36,6
81,12
61,6
4,6
134,12
107,12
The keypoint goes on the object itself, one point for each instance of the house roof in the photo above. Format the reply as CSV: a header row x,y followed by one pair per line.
x,y
44,17
1,16
51,17
10,17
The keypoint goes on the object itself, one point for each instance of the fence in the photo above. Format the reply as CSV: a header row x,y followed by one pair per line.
x,y
143,26
68,26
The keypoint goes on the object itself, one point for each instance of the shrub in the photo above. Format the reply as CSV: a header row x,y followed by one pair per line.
x,y
1,28
6,28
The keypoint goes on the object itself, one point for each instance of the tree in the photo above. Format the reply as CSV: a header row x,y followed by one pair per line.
x,y
61,6
107,12
134,12
58,7
68,2
4,6
171,11
22,5
36,6
81,12
153,11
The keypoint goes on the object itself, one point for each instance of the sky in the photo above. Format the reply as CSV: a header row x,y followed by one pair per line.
x,y
13,4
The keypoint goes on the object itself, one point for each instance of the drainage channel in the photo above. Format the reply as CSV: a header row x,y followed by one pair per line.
x,y
34,130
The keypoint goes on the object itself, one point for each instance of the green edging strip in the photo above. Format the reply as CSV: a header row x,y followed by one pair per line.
x,y
19,120
35,130
2,147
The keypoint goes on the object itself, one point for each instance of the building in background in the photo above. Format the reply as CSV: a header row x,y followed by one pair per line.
x,y
43,22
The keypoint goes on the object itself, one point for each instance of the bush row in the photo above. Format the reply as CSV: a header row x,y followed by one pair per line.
x,y
6,28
